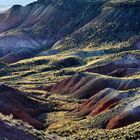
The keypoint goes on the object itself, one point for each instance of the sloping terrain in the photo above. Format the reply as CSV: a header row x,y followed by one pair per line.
x,y
81,78
13,129
22,107
39,25
65,25
89,97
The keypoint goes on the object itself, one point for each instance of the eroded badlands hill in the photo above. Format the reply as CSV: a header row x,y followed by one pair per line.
x,y
73,23
83,78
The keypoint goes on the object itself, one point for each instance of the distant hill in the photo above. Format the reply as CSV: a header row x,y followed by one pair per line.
x,y
73,23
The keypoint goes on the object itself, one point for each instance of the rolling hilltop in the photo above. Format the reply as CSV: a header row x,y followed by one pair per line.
x,y
70,69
